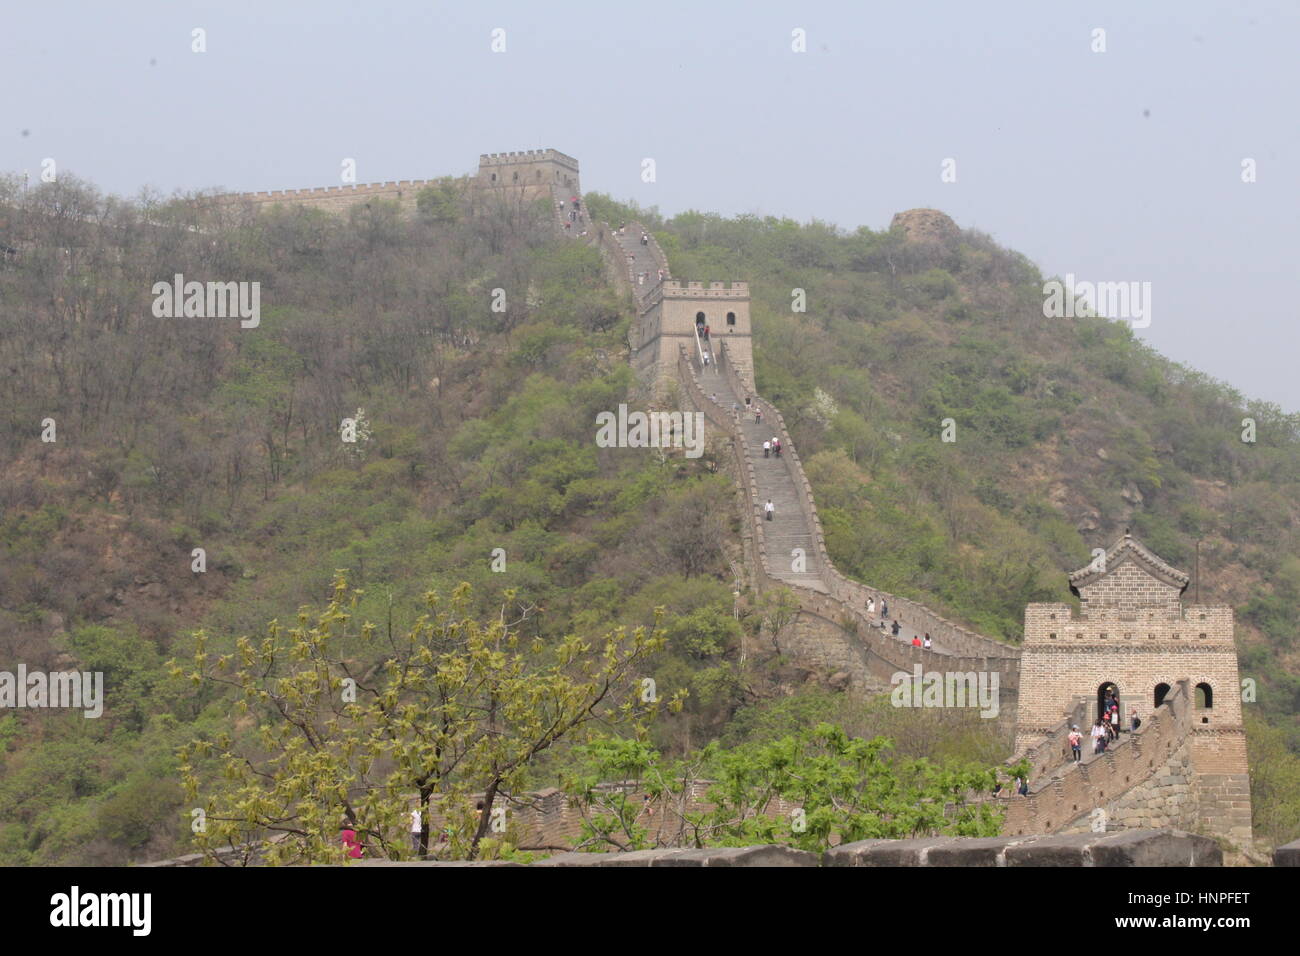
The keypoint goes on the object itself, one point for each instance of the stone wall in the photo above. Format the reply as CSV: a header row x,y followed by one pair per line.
x,y
337,198
962,647
1162,848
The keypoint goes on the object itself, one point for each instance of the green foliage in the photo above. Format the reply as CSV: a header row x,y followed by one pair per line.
x,y
839,789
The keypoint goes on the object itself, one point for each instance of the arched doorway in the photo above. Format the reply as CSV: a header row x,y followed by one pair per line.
x,y
1162,691
1204,697
1106,692
731,318
1204,701
699,320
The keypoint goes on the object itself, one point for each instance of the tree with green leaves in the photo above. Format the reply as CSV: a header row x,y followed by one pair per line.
x,y
339,723
812,790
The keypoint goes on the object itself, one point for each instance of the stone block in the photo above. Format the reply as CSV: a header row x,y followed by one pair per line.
x,y
1122,848
768,855
1288,855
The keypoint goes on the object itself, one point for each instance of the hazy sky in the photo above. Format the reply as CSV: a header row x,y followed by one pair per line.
x,y
1121,165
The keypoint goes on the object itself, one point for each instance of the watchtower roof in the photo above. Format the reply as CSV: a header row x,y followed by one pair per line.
x,y
1129,547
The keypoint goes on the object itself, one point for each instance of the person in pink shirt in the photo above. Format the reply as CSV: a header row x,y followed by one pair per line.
x,y
350,841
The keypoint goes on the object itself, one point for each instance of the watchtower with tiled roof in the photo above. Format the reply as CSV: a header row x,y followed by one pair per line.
x,y
1134,636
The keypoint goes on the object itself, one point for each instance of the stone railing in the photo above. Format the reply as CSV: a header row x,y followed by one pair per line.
x,y
1074,789
1053,750
1162,848
739,465
319,193
601,236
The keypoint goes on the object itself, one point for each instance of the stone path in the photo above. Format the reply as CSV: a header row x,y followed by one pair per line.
x,y
643,260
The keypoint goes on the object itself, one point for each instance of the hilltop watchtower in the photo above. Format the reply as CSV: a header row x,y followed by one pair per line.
x,y
672,312
1135,638
531,174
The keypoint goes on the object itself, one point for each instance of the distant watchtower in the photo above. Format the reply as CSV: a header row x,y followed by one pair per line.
x,y
1135,639
670,314
529,174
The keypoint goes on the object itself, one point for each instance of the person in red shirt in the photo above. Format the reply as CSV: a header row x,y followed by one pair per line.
x,y
351,842
916,641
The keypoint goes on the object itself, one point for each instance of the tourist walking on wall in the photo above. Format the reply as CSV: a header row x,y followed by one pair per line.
x,y
1134,721
769,509
767,449
894,629
1076,743
871,607
884,609
926,642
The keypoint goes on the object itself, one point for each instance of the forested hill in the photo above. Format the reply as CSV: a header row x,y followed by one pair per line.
x,y
476,434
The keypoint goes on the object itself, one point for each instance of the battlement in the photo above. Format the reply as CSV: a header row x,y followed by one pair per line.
x,y
319,192
1199,625
676,289
528,156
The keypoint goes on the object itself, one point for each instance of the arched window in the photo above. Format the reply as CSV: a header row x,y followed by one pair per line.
x,y
1106,692
494,177
1162,691
731,318
699,318
1204,697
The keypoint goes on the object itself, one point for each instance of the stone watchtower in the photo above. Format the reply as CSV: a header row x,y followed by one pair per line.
x,y
529,174
671,312
1176,664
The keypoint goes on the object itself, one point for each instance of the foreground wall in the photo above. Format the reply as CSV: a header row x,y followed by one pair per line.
x,y
1132,848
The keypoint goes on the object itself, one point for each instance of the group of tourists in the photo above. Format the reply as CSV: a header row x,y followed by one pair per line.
x,y
895,627
772,447
1105,729
574,213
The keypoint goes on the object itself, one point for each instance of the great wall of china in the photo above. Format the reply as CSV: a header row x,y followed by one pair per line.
x,y
1184,768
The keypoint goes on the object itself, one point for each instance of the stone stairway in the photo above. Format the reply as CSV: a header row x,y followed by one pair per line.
x,y
789,529
641,259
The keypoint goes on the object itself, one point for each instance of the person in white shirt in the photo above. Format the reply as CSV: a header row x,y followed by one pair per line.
x,y
1098,736
416,825
767,449
769,509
